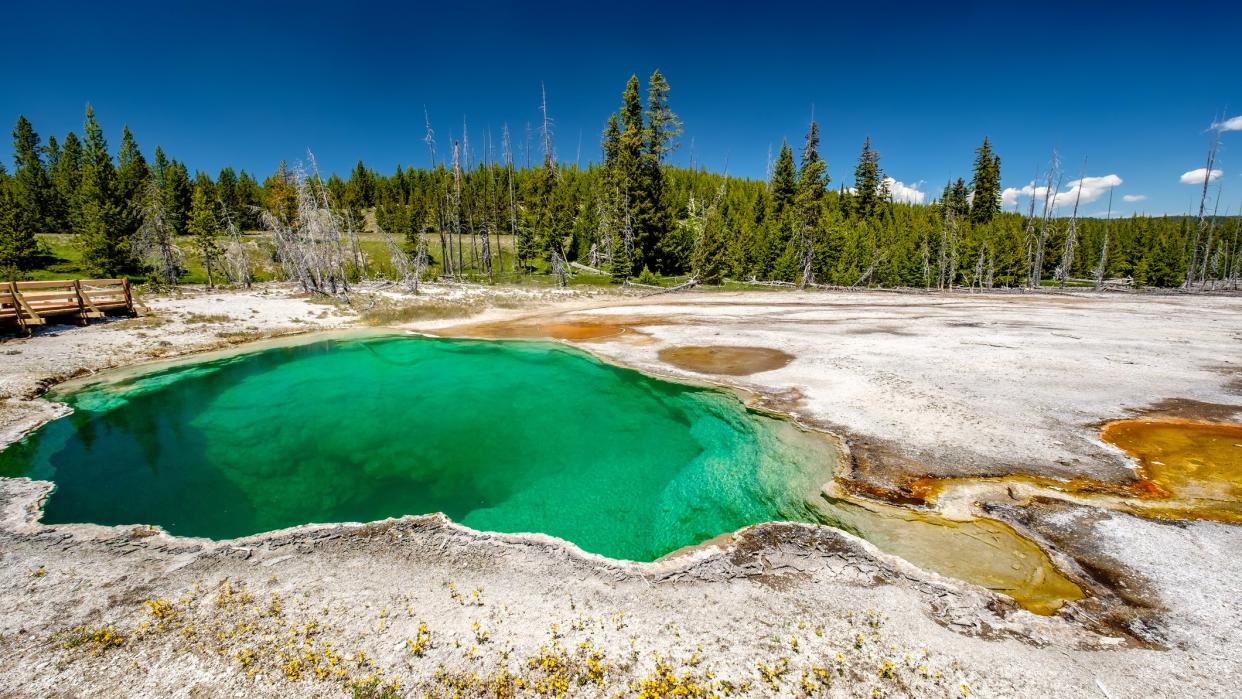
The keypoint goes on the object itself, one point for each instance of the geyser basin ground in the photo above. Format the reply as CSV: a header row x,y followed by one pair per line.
x,y
500,436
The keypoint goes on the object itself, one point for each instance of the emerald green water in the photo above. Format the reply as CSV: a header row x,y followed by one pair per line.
x,y
500,436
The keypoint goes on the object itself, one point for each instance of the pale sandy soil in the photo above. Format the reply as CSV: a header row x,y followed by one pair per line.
x,y
957,384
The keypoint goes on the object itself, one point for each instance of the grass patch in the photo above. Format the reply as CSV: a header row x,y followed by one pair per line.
x,y
392,314
140,323
239,335
206,318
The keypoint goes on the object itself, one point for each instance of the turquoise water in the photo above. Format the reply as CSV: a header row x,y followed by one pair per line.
x,y
500,436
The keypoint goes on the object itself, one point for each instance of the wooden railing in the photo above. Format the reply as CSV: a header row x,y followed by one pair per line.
x,y
26,304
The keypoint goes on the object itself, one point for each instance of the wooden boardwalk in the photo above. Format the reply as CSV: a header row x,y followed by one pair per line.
x,y
26,304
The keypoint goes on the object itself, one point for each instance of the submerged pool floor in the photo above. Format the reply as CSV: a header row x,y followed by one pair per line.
x,y
501,436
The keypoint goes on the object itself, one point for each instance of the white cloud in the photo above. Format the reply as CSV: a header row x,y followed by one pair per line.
x,y
1196,176
1134,197
904,193
1092,188
1010,195
1231,124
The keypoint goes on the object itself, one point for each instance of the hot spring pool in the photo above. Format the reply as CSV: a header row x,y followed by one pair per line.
x,y
500,436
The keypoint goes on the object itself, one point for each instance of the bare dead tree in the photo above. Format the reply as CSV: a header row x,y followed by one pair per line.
x,y
407,275
429,137
627,231
1235,256
1208,254
556,239
507,147
1100,269
943,266
1193,263
236,257
977,277
333,233
877,258
1029,233
455,204
468,203
446,247
926,264
545,130
1045,226
560,269
1071,235
357,254
604,233
155,242
310,248
952,225
489,208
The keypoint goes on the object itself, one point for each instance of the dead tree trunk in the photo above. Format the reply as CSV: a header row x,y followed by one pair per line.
x,y
236,259
507,146
1108,219
1050,202
1207,178
455,206
1211,261
154,243
1028,236
1071,235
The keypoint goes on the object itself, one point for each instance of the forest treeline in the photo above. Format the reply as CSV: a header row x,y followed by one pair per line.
x,y
475,214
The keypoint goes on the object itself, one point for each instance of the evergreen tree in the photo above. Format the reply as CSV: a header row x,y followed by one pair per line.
x,y
549,219
202,179
18,245
812,181
228,195
783,187
620,266
632,177
178,193
956,200
66,176
986,203
98,217
132,177
204,228
868,183
777,254
56,212
663,125
250,199
52,151
658,231
710,247
360,191
280,195
635,209
173,180
32,186
615,201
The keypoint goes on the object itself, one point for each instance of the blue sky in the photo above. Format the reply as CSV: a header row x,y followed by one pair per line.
x,y
1133,89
